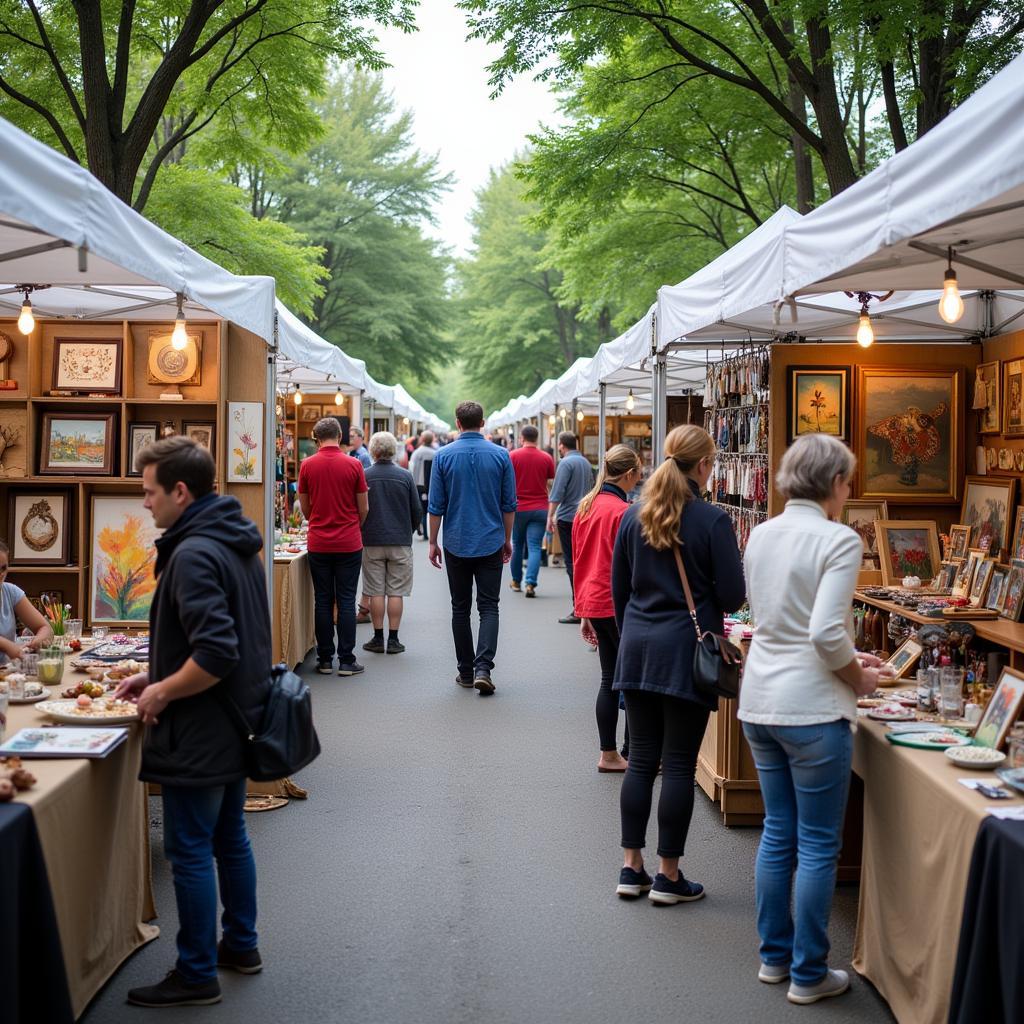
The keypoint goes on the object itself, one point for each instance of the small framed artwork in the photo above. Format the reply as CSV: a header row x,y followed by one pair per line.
x,y
819,401
992,414
948,573
997,588
1013,398
959,541
139,436
987,506
964,581
904,658
122,557
1017,543
861,517
981,583
309,413
1013,596
203,432
168,365
90,365
907,548
39,527
78,443
1002,710
245,443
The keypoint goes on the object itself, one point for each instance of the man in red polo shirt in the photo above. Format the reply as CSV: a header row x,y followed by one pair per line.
x,y
534,471
332,495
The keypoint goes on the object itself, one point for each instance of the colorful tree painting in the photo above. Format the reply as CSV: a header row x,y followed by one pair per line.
x,y
124,573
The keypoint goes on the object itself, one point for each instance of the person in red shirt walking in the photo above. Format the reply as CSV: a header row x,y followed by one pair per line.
x,y
534,472
332,495
593,539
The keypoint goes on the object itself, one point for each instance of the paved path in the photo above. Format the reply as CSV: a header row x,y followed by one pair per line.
x,y
457,860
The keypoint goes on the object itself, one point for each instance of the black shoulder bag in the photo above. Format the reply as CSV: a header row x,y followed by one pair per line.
x,y
716,662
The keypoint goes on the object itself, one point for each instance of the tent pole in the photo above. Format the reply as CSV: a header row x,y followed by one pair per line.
x,y
658,408
270,463
602,422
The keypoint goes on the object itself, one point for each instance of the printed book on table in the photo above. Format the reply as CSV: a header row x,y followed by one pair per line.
x,y
64,741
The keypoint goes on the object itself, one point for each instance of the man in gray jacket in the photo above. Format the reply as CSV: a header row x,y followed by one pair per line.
x,y
395,511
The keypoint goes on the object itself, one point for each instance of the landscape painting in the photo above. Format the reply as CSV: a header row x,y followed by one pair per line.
x,y
78,443
819,401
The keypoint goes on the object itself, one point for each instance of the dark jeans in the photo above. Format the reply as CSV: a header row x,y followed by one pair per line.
x,y
669,730
607,698
527,539
424,526
335,579
565,538
485,571
202,823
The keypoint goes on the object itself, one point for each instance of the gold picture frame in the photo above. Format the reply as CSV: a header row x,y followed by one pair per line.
x,y
981,581
987,504
959,541
908,547
965,576
991,416
861,516
904,658
1013,398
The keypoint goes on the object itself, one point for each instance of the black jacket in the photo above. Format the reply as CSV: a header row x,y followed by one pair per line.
x,y
210,604
394,503
657,638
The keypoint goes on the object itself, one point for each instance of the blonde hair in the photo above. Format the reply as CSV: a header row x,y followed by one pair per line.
x,y
667,492
618,461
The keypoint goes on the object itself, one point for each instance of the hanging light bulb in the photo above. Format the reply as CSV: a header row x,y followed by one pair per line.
x,y
179,337
951,306
298,395
630,400
339,398
26,321
551,420
865,332
579,416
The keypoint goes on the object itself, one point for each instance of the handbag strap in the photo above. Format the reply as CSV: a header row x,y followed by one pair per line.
x,y
684,579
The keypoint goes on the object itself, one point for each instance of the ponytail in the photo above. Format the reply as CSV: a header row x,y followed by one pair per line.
x,y
618,460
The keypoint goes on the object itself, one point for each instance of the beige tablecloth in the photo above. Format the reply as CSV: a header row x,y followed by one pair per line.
x,y
293,610
919,830
93,825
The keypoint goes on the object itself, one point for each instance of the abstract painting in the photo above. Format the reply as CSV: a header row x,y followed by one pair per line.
x,y
123,554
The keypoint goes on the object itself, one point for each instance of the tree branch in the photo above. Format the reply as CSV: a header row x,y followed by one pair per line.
x,y
45,114
62,77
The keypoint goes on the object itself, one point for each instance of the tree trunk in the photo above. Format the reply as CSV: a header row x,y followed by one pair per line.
x,y
803,168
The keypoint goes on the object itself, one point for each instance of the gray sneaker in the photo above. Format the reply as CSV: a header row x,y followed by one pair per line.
x,y
772,974
835,983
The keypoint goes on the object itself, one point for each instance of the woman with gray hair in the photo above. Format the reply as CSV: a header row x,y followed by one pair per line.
x,y
387,542
798,704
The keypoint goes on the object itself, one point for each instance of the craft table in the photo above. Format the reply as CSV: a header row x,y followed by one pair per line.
x,y
292,623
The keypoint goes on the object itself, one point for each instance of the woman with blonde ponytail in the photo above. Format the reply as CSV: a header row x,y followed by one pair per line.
x,y
593,539
666,715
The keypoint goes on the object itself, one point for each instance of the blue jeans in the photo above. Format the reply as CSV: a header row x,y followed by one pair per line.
x,y
335,581
202,823
805,778
527,538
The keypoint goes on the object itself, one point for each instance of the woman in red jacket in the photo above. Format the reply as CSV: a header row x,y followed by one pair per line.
x,y
593,538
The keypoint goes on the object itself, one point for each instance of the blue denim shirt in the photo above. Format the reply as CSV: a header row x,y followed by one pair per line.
x,y
472,485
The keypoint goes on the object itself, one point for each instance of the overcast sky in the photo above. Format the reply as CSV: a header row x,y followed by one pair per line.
x,y
442,79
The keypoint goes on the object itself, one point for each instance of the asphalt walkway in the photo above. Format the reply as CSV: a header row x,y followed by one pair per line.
x,y
457,860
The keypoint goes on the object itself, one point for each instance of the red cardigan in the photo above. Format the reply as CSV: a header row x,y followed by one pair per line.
x,y
593,539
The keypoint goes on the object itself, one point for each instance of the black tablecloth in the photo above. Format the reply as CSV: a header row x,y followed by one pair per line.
x,y
33,985
988,985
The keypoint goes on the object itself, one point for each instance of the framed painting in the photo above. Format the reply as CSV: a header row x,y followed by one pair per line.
x,y
245,443
947,574
986,510
122,555
959,540
168,365
1013,398
1013,597
907,548
39,527
982,581
997,588
1018,534
909,438
964,577
987,378
203,432
309,413
90,365
904,659
14,450
818,401
78,444
139,436
861,517
1002,710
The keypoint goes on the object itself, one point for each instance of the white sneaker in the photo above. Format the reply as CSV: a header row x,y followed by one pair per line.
x,y
835,983
772,974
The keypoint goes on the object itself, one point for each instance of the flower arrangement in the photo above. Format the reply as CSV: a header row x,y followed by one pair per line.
x,y
57,615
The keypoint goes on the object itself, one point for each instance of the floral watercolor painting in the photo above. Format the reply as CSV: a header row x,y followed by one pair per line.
x,y
245,448
123,557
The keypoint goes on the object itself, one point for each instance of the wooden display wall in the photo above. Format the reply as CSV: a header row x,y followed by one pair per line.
x,y
234,367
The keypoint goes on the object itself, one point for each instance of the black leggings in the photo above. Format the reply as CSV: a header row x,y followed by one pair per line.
x,y
607,699
668,729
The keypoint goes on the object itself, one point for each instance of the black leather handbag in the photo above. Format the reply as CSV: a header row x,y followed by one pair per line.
x,y
285,740
716,662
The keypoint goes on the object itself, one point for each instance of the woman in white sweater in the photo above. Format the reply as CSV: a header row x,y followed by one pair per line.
x,y
798,704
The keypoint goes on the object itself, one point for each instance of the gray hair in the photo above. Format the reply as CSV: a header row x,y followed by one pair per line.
x,y
383,446
810,466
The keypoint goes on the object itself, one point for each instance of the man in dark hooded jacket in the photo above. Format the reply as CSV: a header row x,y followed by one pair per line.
x,y
210,664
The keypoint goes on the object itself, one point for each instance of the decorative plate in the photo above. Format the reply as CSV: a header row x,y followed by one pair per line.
x,y
1005,458
69,711
991,457
168,365
983,758
891,713
940,739
35,699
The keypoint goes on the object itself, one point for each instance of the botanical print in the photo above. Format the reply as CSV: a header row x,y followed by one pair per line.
x,y
77,444
987,512
87,366
818,401
123,557
910,553
245,455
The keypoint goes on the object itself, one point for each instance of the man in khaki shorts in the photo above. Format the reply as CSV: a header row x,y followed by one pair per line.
x,y
395,512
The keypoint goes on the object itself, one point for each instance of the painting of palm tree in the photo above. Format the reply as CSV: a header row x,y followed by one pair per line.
x,y
818,401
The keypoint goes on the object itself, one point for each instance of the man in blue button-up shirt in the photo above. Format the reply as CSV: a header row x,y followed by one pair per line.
x,y
473,489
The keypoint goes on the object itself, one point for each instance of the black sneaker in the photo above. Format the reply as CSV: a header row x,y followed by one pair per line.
x,y
325,668
572,619
482,682
375,645
245,961
174,990
633,883
680,891
350,668
395,646
466,682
